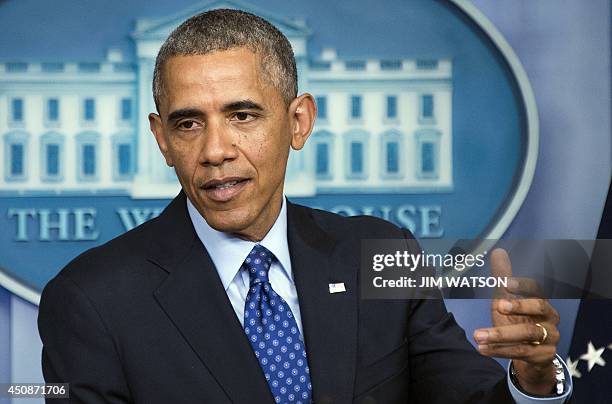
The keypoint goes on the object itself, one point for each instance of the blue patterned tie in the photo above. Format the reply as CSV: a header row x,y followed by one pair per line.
x,y
274,335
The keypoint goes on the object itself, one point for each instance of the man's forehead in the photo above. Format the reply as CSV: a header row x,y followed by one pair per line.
x,y
220,76
232,60
233,69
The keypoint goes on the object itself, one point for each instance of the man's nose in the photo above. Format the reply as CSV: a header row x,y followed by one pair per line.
x,y
218,145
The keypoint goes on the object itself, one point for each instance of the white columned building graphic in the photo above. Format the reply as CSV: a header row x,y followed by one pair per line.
x,y
80,127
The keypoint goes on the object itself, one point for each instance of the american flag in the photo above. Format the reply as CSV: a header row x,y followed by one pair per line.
x,y
590,355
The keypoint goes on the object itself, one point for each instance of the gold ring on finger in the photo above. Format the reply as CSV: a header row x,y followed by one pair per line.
x,y
544,335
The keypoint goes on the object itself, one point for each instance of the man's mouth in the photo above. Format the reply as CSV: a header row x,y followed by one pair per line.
x,y
225,185
224,189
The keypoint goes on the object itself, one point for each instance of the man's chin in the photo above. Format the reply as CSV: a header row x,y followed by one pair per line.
x,y
230,221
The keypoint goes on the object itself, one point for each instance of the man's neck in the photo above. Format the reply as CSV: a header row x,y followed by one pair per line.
x,y
256,232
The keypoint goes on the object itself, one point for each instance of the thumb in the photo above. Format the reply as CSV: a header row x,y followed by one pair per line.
x,y
501,267
500,263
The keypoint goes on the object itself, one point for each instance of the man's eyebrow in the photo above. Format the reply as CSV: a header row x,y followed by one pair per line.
x,y
184,113
240,105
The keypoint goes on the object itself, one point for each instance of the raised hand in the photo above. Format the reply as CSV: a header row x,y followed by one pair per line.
x,y
524,329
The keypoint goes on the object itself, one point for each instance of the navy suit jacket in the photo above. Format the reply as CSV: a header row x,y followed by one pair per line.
x,y
144,318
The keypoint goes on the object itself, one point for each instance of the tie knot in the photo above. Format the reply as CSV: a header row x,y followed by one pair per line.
x,y
258,264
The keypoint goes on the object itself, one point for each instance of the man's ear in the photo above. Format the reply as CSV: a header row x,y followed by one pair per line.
x,y
155,123
303,110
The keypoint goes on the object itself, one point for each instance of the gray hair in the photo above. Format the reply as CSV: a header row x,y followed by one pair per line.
x,y
224,29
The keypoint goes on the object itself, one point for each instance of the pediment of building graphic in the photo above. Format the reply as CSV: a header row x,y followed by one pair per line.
x,y
160,28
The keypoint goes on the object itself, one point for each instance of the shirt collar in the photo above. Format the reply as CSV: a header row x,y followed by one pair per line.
x,y
228,251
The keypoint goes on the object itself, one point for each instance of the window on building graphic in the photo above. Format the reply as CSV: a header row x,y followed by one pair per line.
x,y
427,158
391,107
52,155
16,67
390,64
391,154
87,67
427,64
17,110
52,110
428,149
126,109
15,155
355,107
321,107
87,156
16,159
392,157
323,154
52,67
427,106
319,65
355,65
124,161
123,156
356,157
89,109
322,159
89,160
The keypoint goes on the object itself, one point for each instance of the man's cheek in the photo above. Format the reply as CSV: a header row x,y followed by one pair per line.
x,y
186,157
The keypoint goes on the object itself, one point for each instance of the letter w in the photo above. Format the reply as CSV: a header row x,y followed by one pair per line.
x,y
131,218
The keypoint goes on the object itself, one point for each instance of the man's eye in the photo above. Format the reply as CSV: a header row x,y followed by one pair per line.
x,y
187,125
243,116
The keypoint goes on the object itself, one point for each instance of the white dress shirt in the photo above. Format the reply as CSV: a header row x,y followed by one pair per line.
x,y
228,252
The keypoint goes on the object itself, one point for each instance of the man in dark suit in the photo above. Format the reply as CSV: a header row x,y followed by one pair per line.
x,y
227,295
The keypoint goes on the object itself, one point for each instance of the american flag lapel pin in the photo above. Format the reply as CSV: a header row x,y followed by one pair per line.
x,y
337,287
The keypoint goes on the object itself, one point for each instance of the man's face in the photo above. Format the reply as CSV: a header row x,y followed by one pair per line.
x,y
227,131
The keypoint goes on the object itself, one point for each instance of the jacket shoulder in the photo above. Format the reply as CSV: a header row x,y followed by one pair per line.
x,y
113,259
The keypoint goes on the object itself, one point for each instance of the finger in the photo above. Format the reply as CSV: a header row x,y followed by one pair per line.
x,y
528,307
500,267
500,263
527,287
517,333
527,352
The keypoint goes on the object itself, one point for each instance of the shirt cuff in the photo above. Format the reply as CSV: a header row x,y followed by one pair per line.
x,y
522,398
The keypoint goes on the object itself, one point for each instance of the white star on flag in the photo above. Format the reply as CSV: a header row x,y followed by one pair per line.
x,y
573,368
593,356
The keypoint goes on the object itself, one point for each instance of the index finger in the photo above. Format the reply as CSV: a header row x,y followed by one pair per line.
x,y
525,287
529,307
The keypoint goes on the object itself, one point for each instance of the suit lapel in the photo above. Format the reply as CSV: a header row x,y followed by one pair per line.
x,y
329,320
194,299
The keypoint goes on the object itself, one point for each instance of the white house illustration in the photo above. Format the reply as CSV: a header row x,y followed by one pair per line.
x,y
80,127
